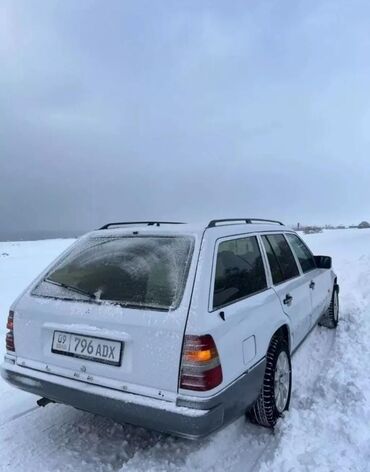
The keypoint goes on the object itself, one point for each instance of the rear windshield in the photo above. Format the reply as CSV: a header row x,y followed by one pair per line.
x,y
139,272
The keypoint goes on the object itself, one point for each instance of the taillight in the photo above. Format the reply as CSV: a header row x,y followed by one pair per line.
x,y
10,323
9,340
200,366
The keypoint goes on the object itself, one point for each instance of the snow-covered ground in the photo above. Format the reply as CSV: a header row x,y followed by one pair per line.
x,y
327,428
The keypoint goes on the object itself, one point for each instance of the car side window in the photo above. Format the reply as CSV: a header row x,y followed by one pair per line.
x,y
276,273
239,271
281,260
302,252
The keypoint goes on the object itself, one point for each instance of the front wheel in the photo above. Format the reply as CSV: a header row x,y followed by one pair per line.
x,y
331,317
274,398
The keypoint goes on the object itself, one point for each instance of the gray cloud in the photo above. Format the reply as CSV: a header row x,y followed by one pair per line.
x,y
183,110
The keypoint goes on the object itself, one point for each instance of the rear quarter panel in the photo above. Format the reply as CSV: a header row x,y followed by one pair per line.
x,y
243,338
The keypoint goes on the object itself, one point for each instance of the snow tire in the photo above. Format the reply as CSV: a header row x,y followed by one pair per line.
x,y
265,412
331,317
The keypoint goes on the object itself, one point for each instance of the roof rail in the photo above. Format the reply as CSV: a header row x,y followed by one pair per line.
x,y
148,223
214,223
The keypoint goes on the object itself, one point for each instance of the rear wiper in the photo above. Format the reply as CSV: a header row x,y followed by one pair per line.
x,y
71,287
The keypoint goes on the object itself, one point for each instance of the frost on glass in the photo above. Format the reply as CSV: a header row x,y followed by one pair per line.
x,y
141,272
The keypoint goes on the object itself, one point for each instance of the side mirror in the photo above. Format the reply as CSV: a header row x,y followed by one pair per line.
x,y
323,262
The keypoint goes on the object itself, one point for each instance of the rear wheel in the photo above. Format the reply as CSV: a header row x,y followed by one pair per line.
x,y
274,398
331,317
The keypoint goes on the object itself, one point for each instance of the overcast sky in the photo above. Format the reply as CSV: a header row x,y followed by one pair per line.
x,y
183,109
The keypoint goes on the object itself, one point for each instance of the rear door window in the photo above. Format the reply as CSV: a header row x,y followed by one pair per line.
x,y
281,260
239,271
302,252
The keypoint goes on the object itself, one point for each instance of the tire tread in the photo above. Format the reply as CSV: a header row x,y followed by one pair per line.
x,y
328,320
264,412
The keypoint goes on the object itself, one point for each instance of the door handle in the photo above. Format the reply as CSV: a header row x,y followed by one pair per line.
x,y
288,299
312,285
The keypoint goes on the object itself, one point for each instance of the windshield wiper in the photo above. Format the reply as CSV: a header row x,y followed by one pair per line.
x,y
71,287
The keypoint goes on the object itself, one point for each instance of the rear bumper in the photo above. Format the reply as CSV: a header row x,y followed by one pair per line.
x,y
190,418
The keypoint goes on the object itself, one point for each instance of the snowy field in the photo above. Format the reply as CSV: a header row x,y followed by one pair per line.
x,y
327,428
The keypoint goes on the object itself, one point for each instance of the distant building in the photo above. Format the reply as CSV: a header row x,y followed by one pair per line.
x,y
364,224
312,229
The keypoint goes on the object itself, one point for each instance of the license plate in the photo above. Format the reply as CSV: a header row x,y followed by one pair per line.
x,y
87,347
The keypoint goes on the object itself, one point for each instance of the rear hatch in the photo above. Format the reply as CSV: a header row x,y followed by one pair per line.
x,y
111,313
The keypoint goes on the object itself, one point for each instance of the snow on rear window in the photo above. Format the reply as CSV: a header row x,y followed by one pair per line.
x,y
139,271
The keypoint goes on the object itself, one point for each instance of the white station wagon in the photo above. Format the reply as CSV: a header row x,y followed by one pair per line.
x,y
170,326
